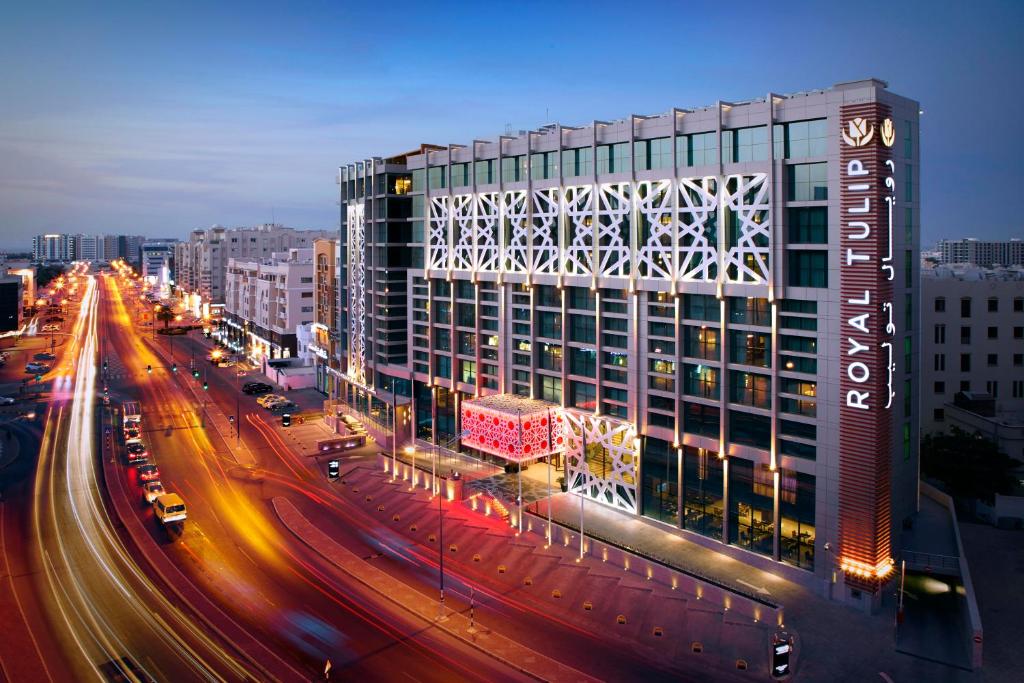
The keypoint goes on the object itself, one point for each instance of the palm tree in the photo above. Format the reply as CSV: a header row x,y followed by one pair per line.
x,y
166,314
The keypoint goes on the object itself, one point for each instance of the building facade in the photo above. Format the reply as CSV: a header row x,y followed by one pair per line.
x,y
722,298
972,326
11,302
324,345
266,300
201,262
53,247
985,254
157,258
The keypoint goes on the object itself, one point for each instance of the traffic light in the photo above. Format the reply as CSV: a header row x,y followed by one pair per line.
x,y
149,369
104,365
206,386
174,367
39,378
195,373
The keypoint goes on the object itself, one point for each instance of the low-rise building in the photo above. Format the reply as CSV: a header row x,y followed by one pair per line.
x,y
972,338
984,253
266,300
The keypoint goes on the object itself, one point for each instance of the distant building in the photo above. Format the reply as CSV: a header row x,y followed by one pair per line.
x,y
266,300
324,345
157,263
11,302
201,262
972,339
982,253
53,247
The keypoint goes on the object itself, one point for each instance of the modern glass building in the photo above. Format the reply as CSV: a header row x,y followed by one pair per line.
x,y
727,292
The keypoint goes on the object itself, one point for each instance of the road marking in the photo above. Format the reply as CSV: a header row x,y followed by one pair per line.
x,y
760,589
885,677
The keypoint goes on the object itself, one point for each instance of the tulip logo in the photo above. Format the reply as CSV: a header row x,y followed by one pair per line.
x,y
888,132
860,132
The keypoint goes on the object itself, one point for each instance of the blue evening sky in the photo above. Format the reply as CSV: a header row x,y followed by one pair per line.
x,y
157,118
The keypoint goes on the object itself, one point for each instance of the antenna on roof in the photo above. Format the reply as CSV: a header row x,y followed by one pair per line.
x,y
508,129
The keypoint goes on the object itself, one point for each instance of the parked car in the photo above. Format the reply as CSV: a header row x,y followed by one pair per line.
x,y
37,368
44,356
6,401
169,508
148,472
268,399
254,388
152,490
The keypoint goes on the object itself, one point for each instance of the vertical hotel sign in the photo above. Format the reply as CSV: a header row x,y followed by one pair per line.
x,y
866,197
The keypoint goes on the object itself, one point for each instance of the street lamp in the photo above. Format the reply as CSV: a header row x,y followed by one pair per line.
x,y
409,450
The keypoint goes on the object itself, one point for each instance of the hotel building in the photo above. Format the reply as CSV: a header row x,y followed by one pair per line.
x,y
722,298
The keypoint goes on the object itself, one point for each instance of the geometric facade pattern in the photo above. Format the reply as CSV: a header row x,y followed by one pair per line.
x,y
749,208
356,232
512,427
675,224
601,459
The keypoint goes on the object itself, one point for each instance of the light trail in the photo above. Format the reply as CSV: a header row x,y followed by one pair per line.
x,y
90,571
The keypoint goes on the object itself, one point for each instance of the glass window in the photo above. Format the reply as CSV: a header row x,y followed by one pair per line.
x,y
965,307
468,374
701,342
703,502
800,429
701,307
437,178
549,357
551,389
745,144
613,158
749,429
583,362
751,502
485,174
584,395
808,268
460,175
582,298
582,328
750,310
909,185
808,225
807,182
653,154
577,162
750,389
700,380
796,518
750,348
940,304
660,481
697,149
993,305
701,419
802,139
419,180
513,169
549,324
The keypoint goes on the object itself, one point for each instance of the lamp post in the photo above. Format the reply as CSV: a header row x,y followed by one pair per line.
x,y
583,498
409,450
519,474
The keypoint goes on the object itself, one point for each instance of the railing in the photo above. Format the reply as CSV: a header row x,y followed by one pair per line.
x,y
945,564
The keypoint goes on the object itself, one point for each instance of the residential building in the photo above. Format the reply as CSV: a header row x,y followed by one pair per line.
x,y
266,300
89,247
972,328
54,247
713,297
324,344
982,253
201,261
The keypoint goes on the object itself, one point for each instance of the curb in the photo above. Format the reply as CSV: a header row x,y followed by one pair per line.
x,y
283,506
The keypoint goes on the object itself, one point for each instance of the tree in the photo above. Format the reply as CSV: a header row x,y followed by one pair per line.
x,y
165,314
969,465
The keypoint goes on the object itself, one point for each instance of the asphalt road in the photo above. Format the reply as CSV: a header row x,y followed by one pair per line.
x,y
233,547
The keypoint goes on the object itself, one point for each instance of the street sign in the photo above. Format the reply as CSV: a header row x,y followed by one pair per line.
x,y
334,469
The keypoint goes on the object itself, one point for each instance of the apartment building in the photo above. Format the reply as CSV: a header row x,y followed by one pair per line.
x,y
972,326
325,345
985,254
201,261
721,298
265,301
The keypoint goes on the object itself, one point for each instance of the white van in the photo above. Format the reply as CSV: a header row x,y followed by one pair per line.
x,y
169,508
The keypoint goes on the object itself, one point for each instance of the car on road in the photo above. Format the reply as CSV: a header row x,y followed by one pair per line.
x,y
148,472
132,430
152,490
267,399
44,356
52,327
225,363
136,451
169,508
37,368
254,388
6,401
282,406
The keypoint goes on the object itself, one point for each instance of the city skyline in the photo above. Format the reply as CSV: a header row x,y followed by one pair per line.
x,y
238,119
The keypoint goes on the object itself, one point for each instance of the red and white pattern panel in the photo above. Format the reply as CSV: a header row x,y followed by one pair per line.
x,y
514,435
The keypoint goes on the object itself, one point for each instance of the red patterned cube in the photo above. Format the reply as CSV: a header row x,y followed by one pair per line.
x,y
512,427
